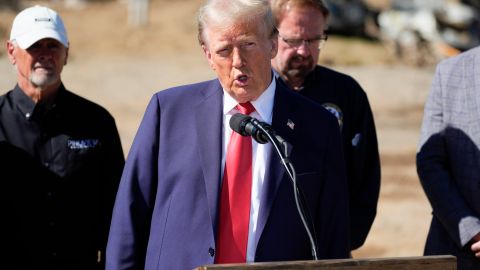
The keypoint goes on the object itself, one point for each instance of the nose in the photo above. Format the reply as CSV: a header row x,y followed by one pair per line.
x,y
237,58
45,55
303,49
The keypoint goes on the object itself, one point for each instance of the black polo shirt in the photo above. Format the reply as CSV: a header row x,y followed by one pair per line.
x,y
59,171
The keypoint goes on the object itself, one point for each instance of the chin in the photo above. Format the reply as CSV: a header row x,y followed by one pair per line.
x,y
44,81
243,95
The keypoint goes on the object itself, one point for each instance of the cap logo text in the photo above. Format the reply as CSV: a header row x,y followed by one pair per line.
x,y
43,19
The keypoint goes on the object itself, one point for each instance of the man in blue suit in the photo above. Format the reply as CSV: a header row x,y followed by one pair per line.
x,y
168,208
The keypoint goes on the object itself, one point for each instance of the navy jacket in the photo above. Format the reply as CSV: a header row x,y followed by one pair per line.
x,y
166,209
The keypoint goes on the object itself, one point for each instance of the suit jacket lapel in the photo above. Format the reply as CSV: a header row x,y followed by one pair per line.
x,y
275,171
209,118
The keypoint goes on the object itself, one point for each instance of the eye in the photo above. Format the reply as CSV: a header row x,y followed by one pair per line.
x,y
54,46
35,46
294,42
223,52
248,45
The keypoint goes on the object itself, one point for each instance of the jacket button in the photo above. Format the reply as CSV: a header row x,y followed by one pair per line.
x,y
211,251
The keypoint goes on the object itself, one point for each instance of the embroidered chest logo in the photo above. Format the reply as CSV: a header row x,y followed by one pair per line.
x,y
83,143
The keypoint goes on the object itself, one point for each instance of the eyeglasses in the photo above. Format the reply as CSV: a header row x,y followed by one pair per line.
x,y
317,42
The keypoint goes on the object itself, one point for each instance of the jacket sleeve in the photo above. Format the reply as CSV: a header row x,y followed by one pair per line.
x,y
363,171
434,170
132,212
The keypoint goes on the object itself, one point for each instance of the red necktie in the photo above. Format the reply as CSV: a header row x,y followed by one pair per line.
x,y
234,217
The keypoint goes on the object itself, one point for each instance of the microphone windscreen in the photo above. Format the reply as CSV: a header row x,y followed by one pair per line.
x,y
238,122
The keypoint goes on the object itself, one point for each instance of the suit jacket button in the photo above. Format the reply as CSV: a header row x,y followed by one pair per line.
x,y
211,251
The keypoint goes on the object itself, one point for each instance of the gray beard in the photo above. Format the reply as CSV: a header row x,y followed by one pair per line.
x,y
42,80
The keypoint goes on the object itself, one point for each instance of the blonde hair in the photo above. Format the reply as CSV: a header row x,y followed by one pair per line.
x,y
225,13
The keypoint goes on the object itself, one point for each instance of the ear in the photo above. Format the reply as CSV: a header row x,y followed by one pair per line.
x,y
208,54
66,55
10,52
274,50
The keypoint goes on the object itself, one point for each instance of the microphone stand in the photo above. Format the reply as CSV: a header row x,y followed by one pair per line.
x,y
276,140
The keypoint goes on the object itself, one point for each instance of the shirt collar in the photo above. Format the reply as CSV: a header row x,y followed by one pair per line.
x,y
26,105
23,102
263,104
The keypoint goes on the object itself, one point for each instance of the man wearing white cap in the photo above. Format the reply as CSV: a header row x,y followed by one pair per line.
x,y
60,157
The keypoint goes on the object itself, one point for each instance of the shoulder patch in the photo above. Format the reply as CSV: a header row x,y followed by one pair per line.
x,y
335,110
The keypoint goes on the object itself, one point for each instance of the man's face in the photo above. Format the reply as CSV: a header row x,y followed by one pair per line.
x,y
41,64
295,62
240,56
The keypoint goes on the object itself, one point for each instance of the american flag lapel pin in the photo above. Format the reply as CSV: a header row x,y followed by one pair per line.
x,y
290,124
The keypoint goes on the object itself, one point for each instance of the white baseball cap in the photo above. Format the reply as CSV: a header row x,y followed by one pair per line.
x,y
36,23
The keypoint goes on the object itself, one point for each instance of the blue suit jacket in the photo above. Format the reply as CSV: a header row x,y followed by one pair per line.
x,y
166,209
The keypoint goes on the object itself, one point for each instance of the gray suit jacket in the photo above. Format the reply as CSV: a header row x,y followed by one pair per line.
x,y
448,158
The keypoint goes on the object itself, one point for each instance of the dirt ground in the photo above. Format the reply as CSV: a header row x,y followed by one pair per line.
x,y
120,67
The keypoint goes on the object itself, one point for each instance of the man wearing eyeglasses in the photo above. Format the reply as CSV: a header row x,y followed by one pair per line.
x,y
301,25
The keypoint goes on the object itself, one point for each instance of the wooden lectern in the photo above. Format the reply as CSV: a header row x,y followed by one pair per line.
x,y
402,263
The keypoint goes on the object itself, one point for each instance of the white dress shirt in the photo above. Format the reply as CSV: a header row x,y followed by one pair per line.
x,y
261,153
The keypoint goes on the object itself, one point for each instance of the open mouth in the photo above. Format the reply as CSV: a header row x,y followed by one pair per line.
x,y
242,78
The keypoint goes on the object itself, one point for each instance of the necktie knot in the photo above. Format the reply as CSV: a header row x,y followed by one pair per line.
x,y
245,108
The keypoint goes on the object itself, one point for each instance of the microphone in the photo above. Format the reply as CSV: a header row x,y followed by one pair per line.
x,y
249,126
